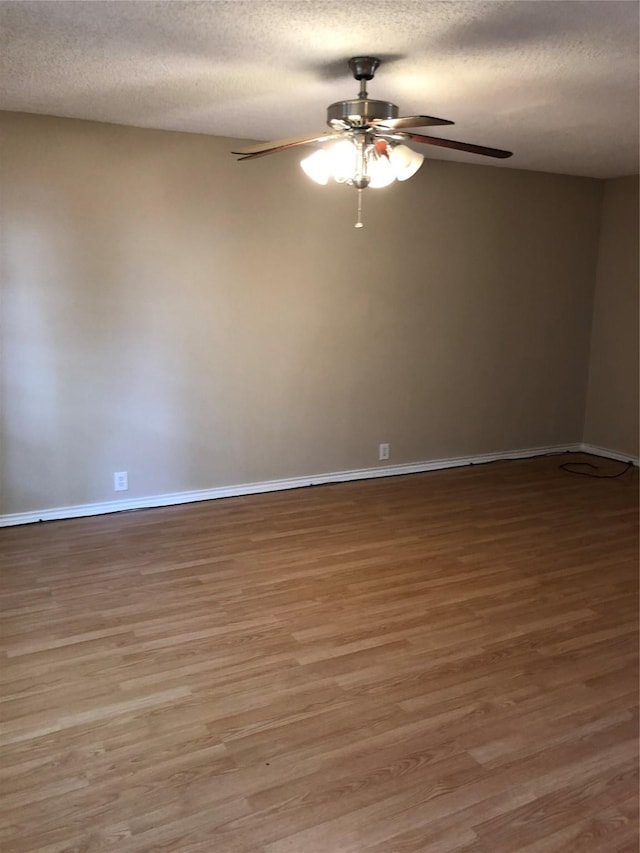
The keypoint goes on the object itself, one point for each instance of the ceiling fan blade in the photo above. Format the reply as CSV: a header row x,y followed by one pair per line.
x,y
260,149
460,146
409,121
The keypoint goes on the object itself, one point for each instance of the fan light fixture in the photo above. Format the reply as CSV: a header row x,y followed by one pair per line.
x,y
361,164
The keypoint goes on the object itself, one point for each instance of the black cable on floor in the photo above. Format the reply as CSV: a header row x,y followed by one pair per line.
x,y
569,466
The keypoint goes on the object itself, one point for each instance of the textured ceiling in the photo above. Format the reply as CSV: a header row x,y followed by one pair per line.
x,y
556,82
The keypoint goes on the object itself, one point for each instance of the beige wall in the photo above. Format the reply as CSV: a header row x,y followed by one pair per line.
x,y
200,322
611,418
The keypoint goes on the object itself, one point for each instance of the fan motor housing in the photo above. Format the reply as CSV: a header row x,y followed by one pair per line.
x,y
359,111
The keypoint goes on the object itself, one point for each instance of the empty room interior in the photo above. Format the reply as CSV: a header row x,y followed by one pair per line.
x,y
319,427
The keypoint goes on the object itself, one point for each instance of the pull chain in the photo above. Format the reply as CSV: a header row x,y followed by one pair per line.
x,y
359,223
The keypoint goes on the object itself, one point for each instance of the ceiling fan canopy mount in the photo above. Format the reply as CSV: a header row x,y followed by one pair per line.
x,y
363,67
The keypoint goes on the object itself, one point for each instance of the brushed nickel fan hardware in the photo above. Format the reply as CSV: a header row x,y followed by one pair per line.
x,y
359,111
363,68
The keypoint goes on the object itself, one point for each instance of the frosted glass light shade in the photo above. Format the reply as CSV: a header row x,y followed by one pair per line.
x,y
343,156
381,171
317,166
405,161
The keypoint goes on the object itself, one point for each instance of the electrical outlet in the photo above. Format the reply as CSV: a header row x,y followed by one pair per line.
x,y
120,481
383,451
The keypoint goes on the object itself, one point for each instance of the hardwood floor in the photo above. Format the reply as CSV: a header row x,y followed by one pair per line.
x,y
439,662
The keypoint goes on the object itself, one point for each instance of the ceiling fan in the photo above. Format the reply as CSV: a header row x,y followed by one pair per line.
x,y
368,137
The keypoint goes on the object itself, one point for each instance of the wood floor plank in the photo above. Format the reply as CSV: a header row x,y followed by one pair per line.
x,y
424,664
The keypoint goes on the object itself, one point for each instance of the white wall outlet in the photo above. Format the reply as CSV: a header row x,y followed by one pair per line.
x,y
383,451
120,481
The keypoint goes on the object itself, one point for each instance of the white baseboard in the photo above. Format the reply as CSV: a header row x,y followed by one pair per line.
x,y
594,450
294,483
